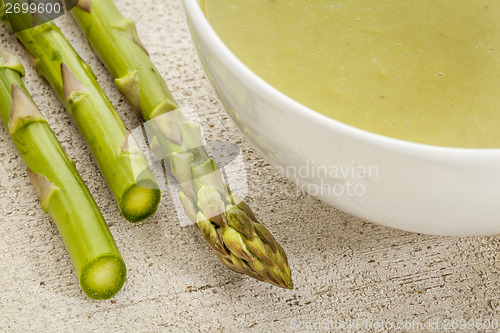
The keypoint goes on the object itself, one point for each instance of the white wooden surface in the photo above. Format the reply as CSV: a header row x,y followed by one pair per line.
x,y
344,269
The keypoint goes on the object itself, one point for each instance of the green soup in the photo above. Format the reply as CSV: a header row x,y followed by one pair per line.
x,y
425,71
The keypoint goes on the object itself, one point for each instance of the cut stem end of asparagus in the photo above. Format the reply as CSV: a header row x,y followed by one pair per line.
x,y
103,278
140,201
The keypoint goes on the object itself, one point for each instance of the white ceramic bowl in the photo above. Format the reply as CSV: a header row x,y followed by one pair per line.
x,y
405,185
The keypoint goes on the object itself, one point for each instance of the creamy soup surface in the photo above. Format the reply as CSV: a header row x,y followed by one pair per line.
x,y
426,71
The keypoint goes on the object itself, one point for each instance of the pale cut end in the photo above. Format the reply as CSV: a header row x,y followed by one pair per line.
x,y
85,5
140,201
128,86
44,188
70,82
22,110
7,60
104,277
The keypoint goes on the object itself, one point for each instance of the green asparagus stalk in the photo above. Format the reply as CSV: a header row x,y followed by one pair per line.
x,y
227,223
120,159
63,194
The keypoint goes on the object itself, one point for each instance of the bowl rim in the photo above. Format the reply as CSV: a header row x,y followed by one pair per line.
x,y
270,93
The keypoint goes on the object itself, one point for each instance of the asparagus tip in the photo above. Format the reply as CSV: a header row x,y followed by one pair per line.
x,y
288,282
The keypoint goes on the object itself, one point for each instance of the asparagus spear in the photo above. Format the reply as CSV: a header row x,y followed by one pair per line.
x,y
119,157
63,194
227,223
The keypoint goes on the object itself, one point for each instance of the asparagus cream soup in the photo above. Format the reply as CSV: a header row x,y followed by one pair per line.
x,y
426,71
